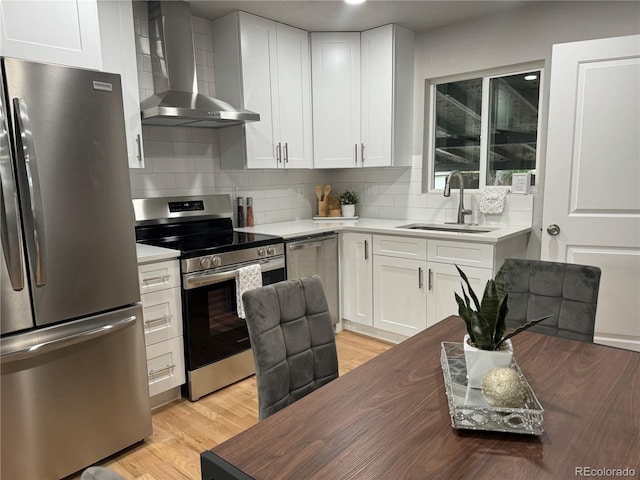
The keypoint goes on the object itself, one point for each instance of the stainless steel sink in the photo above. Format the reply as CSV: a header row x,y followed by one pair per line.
x,y
448,228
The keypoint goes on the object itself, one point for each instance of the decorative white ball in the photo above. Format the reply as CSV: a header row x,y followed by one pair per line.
x,y
504,387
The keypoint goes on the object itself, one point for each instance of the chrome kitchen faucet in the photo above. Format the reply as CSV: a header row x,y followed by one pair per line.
x,y
447,193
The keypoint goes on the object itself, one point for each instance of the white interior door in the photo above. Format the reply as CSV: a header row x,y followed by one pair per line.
x,y
593,175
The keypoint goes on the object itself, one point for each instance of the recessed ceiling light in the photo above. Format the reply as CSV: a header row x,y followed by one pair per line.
x,y
531,77
354,2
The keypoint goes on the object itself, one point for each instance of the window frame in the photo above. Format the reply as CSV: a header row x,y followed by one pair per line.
x,y
428,155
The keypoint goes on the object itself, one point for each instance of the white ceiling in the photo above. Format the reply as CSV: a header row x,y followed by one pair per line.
x,y
335,15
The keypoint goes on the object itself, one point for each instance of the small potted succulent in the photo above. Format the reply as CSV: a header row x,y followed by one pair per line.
x,y
348,200
486,344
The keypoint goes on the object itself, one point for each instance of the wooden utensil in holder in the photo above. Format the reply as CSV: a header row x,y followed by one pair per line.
x,y
323,199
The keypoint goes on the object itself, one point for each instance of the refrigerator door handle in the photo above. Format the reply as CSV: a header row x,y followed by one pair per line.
x,y
58,343
28,157
9,216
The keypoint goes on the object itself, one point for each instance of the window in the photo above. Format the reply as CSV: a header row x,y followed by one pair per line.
x,y
486,127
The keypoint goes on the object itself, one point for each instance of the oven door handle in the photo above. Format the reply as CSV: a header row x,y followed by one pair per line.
x,y
196,280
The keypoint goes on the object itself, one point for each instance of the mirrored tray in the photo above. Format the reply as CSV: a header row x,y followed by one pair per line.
x,y
468,408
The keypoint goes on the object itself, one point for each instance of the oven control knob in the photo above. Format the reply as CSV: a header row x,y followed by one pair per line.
x,y
205,262
271,250
262,251
216,261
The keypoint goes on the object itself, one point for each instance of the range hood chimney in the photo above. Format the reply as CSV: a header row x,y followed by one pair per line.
x,y
177,101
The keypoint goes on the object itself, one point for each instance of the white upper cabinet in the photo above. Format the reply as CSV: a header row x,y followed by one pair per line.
x,y
264,66
362,97
64,32
336,99
119,56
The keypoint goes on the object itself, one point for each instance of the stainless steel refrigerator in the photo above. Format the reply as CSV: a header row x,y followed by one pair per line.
x,y
74,383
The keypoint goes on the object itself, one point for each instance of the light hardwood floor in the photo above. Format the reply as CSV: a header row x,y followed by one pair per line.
x,y
184,429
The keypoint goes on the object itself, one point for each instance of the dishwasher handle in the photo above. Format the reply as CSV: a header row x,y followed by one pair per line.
x,y
303,245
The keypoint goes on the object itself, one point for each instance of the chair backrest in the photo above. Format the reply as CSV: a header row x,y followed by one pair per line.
x,y
567,291
294,347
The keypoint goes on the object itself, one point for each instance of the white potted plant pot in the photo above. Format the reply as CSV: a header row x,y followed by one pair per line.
x,y
479,362
348,210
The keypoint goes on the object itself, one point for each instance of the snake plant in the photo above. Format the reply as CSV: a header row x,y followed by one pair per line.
x,y
487,324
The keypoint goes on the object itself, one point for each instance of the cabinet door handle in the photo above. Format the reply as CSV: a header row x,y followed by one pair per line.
x,y
366,250
139,143
164,318
362,153
419,278
430,279
155,371
355,153
279,153
156,280
286,152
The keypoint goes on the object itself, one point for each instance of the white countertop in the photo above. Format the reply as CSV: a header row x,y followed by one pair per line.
x,y
149,253
297,228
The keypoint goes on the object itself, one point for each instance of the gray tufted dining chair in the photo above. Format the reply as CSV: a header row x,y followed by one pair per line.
x,y
294,347
567,291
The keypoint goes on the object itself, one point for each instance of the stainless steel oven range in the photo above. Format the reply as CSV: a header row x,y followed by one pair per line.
x,y
217,348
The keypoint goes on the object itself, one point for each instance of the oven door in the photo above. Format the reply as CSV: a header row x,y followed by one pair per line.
x,y
213,329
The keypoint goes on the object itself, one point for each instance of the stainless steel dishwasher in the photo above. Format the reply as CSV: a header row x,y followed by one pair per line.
x,y
316,255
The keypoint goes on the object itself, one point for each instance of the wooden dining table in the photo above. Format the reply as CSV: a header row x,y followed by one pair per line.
x,y
389,419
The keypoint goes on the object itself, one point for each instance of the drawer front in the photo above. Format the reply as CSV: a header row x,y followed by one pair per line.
x,y
165,365
162,313
402,247
460,253
158,276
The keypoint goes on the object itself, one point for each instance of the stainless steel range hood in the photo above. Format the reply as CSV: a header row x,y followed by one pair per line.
x,y
177,101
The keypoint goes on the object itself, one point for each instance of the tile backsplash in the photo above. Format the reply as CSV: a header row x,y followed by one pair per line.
x,y
186,161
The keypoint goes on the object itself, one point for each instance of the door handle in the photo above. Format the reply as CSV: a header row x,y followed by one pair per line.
x,y
28,158
419,278
362,153
59,343
279,152
9,216
553,229
355,153
366,250
430,276
286,152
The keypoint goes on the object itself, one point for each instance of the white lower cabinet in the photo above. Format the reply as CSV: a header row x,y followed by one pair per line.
x,y
399,289
399,295
406,284
162,315
442,281
165,365
356,278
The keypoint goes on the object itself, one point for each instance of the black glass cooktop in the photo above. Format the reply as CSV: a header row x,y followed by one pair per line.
x,y
199,238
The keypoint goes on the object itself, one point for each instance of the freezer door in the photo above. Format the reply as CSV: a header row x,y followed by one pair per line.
x,y
71,167
15,307
73,394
